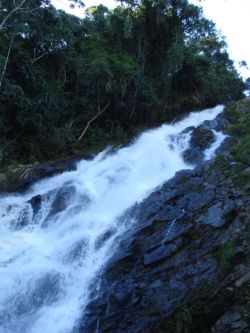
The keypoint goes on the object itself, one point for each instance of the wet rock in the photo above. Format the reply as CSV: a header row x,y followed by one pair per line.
x,y
202,137
188,129
103,238
36,202
169,257
62,199
160,253
77,252
217,124
218,214
220,123
23,219
192,156
232,321
224,149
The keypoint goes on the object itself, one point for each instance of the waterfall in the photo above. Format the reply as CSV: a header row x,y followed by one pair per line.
x,y
56,238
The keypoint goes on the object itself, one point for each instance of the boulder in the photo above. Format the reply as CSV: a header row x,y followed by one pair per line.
x,y
218,124
202,137
192,156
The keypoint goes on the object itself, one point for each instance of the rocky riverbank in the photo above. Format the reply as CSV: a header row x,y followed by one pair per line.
x,y
185,265
18,177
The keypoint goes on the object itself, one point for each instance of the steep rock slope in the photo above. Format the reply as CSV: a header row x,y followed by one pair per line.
x,y
185,265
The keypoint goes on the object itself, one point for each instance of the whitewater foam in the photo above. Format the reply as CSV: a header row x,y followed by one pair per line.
x,y
50,260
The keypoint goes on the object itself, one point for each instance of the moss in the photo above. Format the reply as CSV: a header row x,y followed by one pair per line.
x,y
225,253
239,115
198,316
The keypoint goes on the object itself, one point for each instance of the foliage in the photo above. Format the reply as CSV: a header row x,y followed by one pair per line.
x,y
148,60
239,115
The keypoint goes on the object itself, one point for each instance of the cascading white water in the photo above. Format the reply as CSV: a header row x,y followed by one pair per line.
x,y
49,258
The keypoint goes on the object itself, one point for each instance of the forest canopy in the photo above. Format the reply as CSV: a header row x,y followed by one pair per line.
x,y
68,83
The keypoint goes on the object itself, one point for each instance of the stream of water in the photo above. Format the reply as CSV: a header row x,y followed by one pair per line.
x,y
51,252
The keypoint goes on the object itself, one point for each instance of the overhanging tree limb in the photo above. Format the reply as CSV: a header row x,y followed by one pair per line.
x,y
93,119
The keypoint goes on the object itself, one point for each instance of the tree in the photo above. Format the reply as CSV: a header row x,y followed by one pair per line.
x,y
68,83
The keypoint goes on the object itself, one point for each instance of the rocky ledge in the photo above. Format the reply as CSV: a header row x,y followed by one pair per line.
x,y
184,266
18,178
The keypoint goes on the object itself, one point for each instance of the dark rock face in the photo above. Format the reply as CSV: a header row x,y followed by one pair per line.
x,y
36,202
233,321
192,156
170,256
62,198
20,179
218,124
202,137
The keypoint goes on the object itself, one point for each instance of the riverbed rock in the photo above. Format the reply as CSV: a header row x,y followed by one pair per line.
x,y
202,137
63,197
192,156
218,124
177,253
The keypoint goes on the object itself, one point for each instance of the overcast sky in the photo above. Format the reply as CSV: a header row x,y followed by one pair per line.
x,y
231,18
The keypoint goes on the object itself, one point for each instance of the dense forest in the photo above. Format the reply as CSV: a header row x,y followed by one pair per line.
x,y
68,83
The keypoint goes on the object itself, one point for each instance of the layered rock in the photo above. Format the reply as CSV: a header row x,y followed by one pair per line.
x,y
184,264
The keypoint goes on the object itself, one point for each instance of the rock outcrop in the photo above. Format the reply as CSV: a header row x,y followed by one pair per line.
x,y
184,265
187,236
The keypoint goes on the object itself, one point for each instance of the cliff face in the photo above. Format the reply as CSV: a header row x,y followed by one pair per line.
x,y
184,266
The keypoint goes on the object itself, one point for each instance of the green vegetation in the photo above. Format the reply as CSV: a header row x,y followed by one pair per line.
x,y
239,115
225,253
68,84
237,167
198,316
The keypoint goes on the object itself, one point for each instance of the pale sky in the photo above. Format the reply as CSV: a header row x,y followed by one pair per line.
x,y
232,18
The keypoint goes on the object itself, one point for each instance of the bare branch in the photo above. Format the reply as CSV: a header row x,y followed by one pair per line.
x,y
6,60
18,7
93,119
29,10
39,57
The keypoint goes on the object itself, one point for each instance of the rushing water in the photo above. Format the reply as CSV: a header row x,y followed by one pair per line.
x,y
50,256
